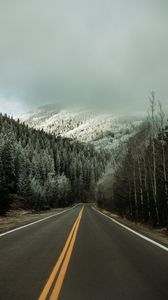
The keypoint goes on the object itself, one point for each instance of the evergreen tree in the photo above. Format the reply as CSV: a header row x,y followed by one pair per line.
x,y
44,170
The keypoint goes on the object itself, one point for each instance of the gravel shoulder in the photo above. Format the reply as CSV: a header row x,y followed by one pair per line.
x,y
14,219
159,235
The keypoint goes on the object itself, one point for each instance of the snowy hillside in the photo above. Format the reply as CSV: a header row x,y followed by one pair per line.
x,y
40,115
104,130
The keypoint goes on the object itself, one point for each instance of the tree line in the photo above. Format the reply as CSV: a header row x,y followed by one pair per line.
x,y
137,185
41,171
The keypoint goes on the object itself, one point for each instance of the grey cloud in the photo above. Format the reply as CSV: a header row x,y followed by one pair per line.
x,y
111,53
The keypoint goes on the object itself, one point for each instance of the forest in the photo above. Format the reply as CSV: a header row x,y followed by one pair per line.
x,y
40,171
136,184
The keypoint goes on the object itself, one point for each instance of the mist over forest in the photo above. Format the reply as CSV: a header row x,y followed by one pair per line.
x,y
78,76
83,149
123,170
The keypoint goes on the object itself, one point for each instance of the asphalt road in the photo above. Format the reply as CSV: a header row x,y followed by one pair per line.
x,y
100,261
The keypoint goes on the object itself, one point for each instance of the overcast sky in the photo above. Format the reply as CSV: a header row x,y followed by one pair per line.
x,y
83,51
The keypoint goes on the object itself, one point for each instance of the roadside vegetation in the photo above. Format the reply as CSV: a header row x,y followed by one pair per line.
x,y
40,171
135,185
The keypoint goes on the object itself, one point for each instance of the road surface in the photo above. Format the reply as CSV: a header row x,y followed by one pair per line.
x,y
81,255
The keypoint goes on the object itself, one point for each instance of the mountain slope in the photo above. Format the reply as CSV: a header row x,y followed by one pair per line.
x,y
102,129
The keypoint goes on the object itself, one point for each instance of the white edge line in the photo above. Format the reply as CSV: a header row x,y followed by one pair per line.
x,y
133,231
35,222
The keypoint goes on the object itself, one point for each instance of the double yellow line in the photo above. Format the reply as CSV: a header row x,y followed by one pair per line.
x,y
61,264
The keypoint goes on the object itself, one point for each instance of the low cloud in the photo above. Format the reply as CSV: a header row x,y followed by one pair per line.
x,y
107,53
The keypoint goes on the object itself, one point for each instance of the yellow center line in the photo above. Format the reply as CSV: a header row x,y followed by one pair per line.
x,y
61,276
55,270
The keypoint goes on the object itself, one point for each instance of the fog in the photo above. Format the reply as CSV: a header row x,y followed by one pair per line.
x,y
108,54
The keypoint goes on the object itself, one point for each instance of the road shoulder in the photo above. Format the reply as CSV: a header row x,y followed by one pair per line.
x,y
16,219
158,235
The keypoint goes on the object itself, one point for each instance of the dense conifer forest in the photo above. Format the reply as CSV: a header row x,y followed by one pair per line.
x,y
136,185
41,171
